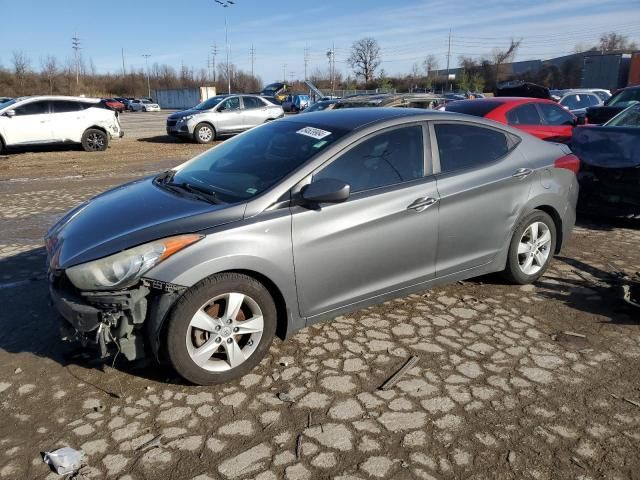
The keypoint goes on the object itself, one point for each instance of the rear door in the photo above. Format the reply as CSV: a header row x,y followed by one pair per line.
x,y
67,123
31,124
254,111
483,182
557,122
382,238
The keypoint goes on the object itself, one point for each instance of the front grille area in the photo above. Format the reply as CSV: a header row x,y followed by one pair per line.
x,y
171,123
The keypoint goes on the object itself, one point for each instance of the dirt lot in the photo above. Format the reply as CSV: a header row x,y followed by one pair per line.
x,y
499,392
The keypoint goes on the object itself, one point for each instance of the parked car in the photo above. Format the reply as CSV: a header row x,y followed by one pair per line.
x,y
57,119
222,115
577,102
518,88
321,105
610,157
5,99
143,105
278,90
197,263
296,103
617,103
544,119
113,104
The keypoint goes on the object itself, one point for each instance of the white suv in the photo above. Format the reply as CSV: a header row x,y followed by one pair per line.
x,y
56,119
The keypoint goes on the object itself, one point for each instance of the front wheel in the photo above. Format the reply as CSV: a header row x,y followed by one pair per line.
x,y
220,329
531,248
94,140
204,133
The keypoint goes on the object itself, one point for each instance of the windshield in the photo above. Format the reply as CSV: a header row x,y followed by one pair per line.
x,y
249,164
627,118
624,98
8,103
209,103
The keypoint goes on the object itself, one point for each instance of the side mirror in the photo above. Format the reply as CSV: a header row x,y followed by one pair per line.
x,y
10,113
326,190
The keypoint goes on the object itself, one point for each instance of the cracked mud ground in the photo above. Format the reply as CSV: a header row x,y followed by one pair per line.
x,y
499,391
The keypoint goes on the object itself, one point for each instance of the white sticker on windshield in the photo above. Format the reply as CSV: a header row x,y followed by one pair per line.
x,y
313,132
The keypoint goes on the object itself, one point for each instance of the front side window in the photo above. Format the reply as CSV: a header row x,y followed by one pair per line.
x,y
524,115
229,104
385,159
628,118
464,146
555,115
33,108
252,102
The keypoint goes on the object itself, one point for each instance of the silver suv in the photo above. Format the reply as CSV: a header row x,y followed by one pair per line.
x,y
222,115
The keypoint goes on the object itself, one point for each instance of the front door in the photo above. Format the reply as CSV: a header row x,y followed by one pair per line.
x,y
483,186
382,238
31,124
229,117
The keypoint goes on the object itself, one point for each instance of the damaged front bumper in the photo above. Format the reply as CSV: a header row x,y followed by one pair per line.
x,y
125,321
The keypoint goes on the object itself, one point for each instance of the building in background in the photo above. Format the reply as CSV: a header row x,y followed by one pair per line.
x,y
183,98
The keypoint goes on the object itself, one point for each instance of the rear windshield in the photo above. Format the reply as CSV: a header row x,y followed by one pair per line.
x,y
249,164
472,107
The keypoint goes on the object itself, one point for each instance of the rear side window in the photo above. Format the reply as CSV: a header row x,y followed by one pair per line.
x,y
524,115
33,108
472,107
463,146
576,101
252,102
385,159
555,114
63,106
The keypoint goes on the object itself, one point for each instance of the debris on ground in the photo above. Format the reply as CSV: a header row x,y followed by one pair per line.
x,y
632,402
396,376
153,443
298,446
17,371
511,457
574,334
65,460
285,397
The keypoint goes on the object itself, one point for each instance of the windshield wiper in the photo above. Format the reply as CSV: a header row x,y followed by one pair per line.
x,y
198,192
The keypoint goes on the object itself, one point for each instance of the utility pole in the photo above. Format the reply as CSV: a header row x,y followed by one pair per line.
x,y
75,44
284,73
124,70
291,77
252,53
214,52
331,54
448,57
226,4
306,61
146,59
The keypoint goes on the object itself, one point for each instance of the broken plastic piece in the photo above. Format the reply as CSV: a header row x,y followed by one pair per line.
x,y
64,460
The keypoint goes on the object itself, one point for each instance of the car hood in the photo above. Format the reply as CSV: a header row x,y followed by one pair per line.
x,y
127,216
607,147
184,113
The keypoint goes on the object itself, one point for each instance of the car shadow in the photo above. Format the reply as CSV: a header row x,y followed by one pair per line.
x,y
30,324
606,224
162,139
64,147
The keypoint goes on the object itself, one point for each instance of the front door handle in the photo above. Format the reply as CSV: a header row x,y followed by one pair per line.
x,y
522,173
421,204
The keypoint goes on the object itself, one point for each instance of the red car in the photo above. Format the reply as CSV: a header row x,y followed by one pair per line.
x,y
113,104
541,118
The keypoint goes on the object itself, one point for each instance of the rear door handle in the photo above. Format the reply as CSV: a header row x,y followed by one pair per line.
x,y
421,204
522,173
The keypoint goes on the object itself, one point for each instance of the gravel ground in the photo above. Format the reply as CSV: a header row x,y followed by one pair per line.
x,y
500,391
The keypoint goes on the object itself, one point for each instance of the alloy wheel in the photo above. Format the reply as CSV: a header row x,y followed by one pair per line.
x,y
534,248
95,142
205,134
225,332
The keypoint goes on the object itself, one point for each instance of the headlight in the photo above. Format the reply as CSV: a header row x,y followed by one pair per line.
x,y
126,268
188,117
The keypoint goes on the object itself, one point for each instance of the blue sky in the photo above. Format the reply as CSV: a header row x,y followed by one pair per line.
x,y
407,30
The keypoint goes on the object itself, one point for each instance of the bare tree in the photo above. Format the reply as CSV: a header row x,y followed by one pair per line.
x,y
615,42
500,57
365,58
430,65
49,66
20,67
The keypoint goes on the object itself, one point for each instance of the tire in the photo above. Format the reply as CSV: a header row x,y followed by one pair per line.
x,y
535,246
202,304
2,147
94,140
204,133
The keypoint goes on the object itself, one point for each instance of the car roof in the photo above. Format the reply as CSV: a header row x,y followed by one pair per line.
x,y
354,118
59,97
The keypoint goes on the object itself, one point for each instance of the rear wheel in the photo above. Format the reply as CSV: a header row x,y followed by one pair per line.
x,y
221,328
204,133
94,140
531,248
2,148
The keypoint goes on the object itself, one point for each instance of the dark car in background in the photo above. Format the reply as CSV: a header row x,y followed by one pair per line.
x,y
296,102
614,105
610,165
542,118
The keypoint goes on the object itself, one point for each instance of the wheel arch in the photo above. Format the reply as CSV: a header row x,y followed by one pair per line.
x,y
95,127
557,220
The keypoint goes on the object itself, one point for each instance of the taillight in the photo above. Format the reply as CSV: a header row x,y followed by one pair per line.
x,y
570,162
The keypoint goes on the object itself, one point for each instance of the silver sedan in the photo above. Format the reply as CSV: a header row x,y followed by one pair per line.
x,y
222,115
